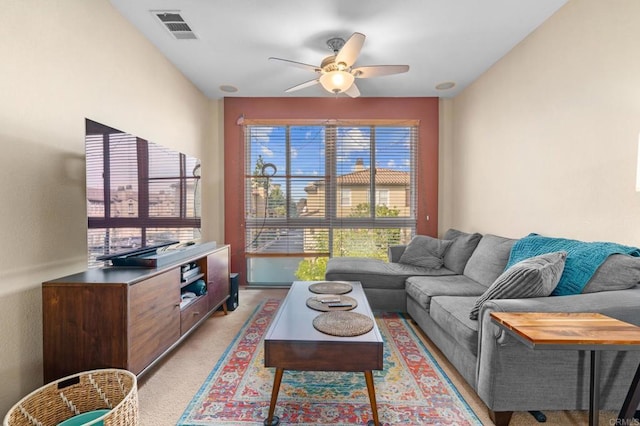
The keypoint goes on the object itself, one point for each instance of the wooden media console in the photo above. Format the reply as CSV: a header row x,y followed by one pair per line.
x,y
127,317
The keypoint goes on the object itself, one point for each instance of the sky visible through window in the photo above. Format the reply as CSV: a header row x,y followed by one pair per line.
x,y
308,147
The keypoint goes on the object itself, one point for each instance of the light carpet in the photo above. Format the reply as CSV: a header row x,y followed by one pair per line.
x,y
412,388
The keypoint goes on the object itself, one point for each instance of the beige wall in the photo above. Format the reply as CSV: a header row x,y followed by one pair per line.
x,y
546,140
63,61
213,176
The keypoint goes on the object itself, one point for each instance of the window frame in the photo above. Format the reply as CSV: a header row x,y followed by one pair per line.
x,y
331,219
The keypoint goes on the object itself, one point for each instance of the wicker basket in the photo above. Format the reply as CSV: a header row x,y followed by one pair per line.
x,y
112,389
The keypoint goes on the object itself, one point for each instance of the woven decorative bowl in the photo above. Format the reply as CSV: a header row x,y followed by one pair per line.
x,y
343,324
111,389
330,287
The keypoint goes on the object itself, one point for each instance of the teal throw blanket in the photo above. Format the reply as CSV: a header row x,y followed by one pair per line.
x,y
583,258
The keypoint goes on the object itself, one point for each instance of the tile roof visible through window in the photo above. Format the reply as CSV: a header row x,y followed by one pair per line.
x,y
361,177
383,177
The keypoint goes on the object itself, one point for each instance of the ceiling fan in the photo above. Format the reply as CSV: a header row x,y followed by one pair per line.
x,y
336,72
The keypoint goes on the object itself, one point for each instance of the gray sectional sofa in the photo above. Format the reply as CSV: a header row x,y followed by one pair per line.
x,y
505,374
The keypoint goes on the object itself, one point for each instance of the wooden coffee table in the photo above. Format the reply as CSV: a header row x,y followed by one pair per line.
x,y
578,331
292,343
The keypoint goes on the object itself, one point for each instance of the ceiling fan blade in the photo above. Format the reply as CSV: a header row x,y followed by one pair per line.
x,y
353,91
297,64
378,70
302,85
351,49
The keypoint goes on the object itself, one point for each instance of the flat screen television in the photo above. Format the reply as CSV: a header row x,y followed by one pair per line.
x,y
139,193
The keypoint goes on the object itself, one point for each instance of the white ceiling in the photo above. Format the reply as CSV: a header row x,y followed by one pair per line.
x,y
441,40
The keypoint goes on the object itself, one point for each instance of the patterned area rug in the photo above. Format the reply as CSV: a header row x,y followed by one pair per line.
x,y
412,389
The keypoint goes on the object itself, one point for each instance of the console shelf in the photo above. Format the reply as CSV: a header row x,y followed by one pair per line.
x,y
126,317
191,280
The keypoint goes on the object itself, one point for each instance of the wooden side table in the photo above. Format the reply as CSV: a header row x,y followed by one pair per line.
x,y
578,331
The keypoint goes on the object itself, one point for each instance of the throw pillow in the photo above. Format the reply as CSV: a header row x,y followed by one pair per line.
x,y
425,251
456,257
534,277
618,272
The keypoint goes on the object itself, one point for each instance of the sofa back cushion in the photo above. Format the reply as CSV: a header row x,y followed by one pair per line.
x,y
489,259
618,272
458,254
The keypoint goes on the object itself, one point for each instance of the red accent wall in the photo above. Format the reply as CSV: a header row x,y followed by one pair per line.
x,y
423,109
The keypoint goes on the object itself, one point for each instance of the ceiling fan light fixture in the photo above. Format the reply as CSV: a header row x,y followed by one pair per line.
x,y
336,74
336,81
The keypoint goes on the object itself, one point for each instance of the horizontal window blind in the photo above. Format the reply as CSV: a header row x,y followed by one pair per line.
x,y
328,190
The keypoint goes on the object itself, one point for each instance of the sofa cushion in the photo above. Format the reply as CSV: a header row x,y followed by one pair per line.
x,y
452,314
618,272
489,259
422,289
425,251
375,273
457,256
537,276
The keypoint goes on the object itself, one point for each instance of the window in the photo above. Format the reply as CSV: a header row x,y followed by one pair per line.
x,y
311,192
153,193
382,197
345,197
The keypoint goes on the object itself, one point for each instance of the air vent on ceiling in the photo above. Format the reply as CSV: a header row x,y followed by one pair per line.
x,y
175,24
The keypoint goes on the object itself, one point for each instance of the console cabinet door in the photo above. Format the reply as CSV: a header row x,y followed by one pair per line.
x,y
154,318
84,328
218,277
